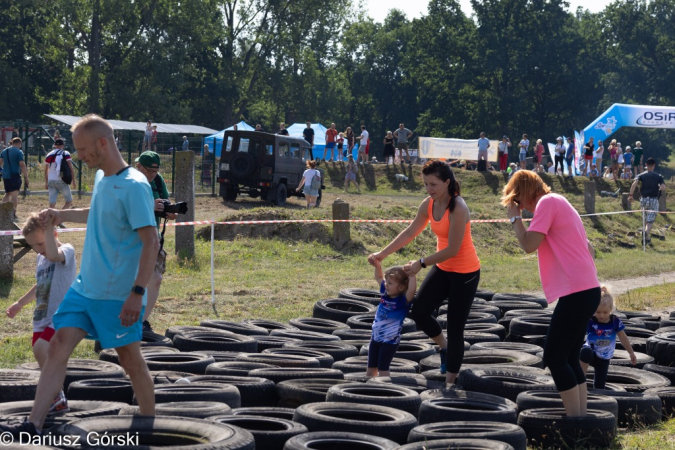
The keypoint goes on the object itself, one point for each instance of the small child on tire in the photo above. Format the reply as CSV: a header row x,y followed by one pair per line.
x,y
55,272
603,329
398,290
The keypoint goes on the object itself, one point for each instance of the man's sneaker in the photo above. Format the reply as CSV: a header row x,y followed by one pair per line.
x,y
444,356
146,326
59,405
15,429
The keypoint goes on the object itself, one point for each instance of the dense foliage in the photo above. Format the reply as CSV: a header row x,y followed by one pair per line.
x,y
515,66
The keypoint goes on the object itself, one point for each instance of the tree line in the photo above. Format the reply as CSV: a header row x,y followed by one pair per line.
x,y
513,67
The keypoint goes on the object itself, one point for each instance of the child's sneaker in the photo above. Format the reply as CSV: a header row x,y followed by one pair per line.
x,y
17,429
444,356
59,405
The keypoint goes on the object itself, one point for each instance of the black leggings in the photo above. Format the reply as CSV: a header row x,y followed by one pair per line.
x,y
459,289
566,336
559,159
601,366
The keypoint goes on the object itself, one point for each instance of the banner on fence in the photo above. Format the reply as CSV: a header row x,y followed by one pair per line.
x,y
467,149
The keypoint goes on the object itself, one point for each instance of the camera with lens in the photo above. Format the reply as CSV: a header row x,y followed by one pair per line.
x,y
173,208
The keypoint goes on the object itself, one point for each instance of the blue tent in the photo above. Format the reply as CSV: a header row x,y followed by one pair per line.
x,y
219,137
296,129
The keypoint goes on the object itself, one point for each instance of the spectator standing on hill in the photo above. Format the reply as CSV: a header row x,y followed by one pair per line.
x,y
351,140
628,158
282,129
342,152
454,268
612,156
154,138
388,148
503,150
652,184
402,135
12,164
147,136
559,151
350,177
539,156
331,138
564,253
53,179
619,160
637,159
523,145
186,144
569,158
308,135
363,143
588,154
483,146
598,156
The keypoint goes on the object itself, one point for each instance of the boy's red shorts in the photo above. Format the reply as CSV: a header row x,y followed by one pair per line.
x,y
47,335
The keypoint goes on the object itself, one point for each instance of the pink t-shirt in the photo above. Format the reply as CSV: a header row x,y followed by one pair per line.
x,y
565,264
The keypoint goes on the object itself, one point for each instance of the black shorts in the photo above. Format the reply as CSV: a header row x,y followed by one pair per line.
x,y
12,184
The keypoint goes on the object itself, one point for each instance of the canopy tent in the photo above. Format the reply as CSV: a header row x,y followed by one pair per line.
x,y
296,129
243,126
139,126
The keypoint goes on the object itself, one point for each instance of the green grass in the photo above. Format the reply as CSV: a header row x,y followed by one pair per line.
x,y
656,297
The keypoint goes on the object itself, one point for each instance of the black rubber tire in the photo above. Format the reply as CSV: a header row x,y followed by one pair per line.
x,y
245,329
485,294
338,350
190,433
492,328
215,340
18,385
296,361
414,382
511,346
358,343
317,325
622,358
350,334
220,356
305,335
474,337
633,380
341,309
639,332
638,344
269,325
110,355
497,431
365,295
266,411
294,393
196,392
664,330
167,376
171,332
102,389
367,419
409,350
365,322
236,368
196,410
79,409
229,192
254,391
509,297
360,363
390,395
662,348
639,315
636,409
280,374
269,432
152,339
451,405
82,369
504,383
666,371
490,309
551,399
476,317
550,428
529,325
267,342
487,358
325,360
505,307
667,396
461,444
193,363
339,440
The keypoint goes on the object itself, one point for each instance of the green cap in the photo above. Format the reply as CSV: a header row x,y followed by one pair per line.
x,y
149,159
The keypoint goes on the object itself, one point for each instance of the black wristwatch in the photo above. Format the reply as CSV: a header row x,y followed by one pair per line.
x,y
140,290
424,266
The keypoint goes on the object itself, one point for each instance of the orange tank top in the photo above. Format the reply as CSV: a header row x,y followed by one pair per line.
x,y
466,259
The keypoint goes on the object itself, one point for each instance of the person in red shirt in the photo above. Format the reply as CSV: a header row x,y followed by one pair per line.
x,y
331,135
154,138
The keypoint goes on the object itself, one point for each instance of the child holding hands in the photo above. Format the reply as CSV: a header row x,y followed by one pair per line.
x,y
55,272
603,329
398,290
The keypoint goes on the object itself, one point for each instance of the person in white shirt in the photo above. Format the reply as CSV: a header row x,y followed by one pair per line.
x,y
598,156
523,146
560,151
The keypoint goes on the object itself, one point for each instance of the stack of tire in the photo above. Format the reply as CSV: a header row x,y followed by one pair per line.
x,y
300,385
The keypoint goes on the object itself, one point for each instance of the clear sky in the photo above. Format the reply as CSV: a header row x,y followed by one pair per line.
x,y
378,9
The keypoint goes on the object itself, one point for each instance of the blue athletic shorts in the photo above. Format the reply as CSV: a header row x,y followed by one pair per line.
x,y
99,318
522,156
330,145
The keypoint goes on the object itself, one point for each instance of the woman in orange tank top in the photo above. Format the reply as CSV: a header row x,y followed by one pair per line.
x,y
454,268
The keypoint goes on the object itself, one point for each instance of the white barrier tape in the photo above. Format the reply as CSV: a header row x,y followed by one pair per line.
x,y
268,222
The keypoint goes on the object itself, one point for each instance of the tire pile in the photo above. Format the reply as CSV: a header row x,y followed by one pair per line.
x,y
302,385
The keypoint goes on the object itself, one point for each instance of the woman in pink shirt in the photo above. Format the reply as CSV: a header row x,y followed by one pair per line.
x,y
567,274
539,152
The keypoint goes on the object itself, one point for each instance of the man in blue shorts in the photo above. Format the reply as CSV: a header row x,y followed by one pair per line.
x,y
106,300
12,164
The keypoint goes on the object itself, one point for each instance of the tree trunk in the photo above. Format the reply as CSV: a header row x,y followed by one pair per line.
x,y
94,52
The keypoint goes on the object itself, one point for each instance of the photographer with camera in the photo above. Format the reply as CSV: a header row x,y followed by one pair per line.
x,y
148,164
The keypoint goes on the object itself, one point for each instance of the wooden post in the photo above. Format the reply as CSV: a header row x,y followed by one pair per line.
x,y
625,203
6,242
341,231
185,192
589,197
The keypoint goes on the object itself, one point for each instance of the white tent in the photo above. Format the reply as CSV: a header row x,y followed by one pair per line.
x,y
296,129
